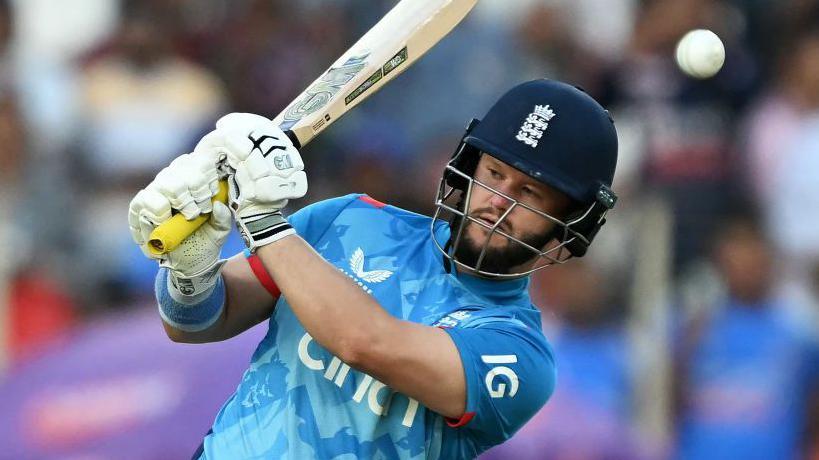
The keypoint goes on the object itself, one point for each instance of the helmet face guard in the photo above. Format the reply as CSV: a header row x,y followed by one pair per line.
x,y
568,238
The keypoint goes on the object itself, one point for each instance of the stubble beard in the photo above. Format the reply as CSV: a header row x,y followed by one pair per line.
x,y
500,260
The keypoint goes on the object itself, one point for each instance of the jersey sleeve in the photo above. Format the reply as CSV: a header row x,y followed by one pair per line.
x,y
312,221
510,374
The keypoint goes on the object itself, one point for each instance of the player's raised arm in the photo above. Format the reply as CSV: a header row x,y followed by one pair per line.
x,y
198,294
420,361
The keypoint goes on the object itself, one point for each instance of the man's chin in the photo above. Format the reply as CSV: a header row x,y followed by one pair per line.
x,y
502,255
494,260
479,236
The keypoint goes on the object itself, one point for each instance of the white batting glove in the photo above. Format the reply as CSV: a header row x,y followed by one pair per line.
x,y
266,170
186,185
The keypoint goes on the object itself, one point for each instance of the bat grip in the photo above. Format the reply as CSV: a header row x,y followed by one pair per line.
x,y
170,234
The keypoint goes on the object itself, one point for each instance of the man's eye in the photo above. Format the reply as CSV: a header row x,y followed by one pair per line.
x,y
494,174
530,191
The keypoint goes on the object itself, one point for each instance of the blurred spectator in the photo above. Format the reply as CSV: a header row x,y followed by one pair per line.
x,y
775,120
590,414
678,129
32,303
572,41
746,375
142,105
784,142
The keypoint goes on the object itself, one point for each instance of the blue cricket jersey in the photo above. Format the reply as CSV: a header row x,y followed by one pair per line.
x,y
297,401
751,376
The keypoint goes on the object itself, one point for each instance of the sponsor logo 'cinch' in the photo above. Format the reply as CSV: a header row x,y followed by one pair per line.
x,y
380,397
360,276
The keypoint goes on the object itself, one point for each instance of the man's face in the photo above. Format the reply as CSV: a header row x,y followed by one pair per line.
x,y
744,259
504,255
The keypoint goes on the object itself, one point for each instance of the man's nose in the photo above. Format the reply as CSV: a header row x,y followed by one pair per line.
x,y
500,202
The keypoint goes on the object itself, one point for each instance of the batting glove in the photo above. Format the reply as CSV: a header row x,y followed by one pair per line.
x,y
187,186
265,171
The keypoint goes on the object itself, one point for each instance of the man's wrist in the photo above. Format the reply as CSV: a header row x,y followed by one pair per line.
x,y
186,316
261,229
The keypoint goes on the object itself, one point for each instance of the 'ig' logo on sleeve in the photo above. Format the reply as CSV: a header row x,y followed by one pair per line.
x,y
497,377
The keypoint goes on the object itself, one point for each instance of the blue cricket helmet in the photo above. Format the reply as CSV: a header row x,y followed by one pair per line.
x,y
554,133
575,151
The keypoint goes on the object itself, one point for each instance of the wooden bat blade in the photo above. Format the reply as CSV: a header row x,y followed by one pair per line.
x,y
405,34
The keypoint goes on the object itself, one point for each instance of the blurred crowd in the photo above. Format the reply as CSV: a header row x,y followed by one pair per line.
x,y
689,331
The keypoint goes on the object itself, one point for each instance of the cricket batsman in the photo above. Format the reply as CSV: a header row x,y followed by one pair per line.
x,y
391,335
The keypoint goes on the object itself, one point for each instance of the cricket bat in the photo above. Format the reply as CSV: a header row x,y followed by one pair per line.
x,y
408,31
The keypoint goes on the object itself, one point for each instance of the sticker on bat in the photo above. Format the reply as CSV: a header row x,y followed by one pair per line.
x,y
364,86
396,61
317,125
392,64
320,93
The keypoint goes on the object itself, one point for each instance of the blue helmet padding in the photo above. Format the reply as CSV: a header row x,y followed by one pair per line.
x,y
577,152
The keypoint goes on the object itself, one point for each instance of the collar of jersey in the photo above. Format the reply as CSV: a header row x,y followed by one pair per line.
x,y
499,291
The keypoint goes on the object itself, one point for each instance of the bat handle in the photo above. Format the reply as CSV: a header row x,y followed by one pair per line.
x,y
170,234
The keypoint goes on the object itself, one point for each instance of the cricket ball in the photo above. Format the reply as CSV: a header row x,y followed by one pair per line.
x,y
700,53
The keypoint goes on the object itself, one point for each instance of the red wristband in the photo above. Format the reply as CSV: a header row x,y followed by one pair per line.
x,y
262,275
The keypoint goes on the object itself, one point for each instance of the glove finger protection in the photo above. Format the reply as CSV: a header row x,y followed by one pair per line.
x,y
148,209
174,183
202,179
